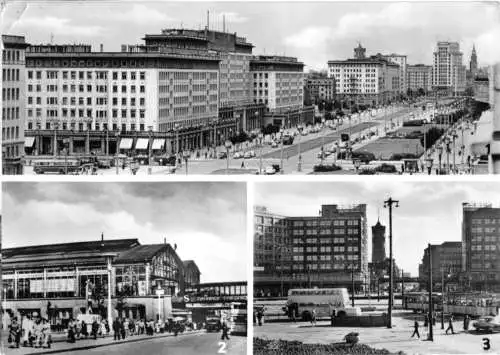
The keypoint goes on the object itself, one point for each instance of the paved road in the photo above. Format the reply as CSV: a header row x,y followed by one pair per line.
x,y
396,339
195,344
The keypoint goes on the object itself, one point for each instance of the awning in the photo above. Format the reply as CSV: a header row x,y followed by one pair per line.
x,y
142,143
126,143
158,144
28,142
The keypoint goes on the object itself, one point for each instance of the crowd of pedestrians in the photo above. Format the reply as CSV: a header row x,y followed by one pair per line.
x,y
449,330
30,331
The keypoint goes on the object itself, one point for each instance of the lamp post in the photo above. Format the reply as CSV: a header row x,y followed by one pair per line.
x,y
299,164
261,140
389,203
186,155
281,154
448,151
228,145
117,149
430,337
177,147
110,317
454,136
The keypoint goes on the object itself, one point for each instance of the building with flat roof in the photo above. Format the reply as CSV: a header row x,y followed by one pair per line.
x,y
448,71
446,264
419,77
402,61
320,89
365,81
310,251
13,50
480,246
64,280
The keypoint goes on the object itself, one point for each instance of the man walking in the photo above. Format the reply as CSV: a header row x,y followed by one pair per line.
x,y
450,325
225,330
116,329
466,323
415,329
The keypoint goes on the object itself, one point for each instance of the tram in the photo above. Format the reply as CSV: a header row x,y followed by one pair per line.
x,y
419,301
474,304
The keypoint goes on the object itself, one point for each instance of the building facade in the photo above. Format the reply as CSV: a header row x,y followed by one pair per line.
x,y
446,264
64,280
400,60
96,99
448,71
320,89
481,246
365,81
419,77
13,103
328,250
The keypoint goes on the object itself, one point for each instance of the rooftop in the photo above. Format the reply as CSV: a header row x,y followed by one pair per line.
x,y
141,253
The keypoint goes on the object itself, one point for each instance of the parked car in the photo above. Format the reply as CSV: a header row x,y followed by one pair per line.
x,y
270,170
213,324
238,155
274,144
287,140
222,155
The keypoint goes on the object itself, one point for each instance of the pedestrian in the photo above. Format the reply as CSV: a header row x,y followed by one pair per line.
x,y
225,330
84,330
332,318
243,165
95,328
313,317
466,323
14,333
426,320
415,329
122,329
71,331
434,316
259,317
131,327
47,337
450,325
116,329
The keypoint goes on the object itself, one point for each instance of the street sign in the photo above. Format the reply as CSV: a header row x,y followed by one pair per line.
x,y
160,292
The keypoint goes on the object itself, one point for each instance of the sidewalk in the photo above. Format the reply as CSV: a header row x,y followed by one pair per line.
x,y
60,344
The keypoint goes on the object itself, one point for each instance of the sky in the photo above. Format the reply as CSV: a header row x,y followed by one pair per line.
x,y
428,212
315,32
206,220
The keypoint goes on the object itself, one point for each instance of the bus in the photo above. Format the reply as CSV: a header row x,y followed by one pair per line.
x,y
325,301
474,304
419,301
239,318
56,166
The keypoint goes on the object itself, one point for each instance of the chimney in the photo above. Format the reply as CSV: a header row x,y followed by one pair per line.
x,y
102,47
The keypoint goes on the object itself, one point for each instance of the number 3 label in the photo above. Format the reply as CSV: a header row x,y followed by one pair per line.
x,y
486,344
222,347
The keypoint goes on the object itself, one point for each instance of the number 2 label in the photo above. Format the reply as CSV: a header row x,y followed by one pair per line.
x,y
222,347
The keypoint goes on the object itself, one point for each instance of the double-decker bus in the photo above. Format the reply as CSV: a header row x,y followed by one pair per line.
x,y
474,304
239,318
419,301
324,301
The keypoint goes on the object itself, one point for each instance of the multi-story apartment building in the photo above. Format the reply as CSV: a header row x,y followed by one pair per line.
x,y
13,103
320,89
448,72
400,60
100,101
446,264
235,53
278,82
310,251
365,81
419,77
481,246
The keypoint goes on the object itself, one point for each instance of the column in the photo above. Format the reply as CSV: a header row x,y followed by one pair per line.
x,y
148,281
15,284
70,148
77,282
44,285
103,145
87,144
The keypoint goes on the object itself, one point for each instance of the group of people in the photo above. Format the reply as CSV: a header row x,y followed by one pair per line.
x,y
80,329
450,328
31,331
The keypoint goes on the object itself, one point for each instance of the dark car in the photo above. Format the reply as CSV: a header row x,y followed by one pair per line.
x,y
365,157
487,324
165,160
222,155
387,168
287,140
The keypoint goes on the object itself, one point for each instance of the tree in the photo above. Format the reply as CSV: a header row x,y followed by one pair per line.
x,y
431,136
409,92
328,105
328,116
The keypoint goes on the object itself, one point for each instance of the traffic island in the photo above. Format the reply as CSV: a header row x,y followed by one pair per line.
x,y
276,347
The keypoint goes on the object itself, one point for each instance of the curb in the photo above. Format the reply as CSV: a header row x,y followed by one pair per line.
x,y
88,347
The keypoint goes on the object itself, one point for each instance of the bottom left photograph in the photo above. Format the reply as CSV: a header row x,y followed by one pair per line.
x,y
124,268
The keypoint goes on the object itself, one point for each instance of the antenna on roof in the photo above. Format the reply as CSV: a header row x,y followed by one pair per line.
x,y
175,246
102,237
51,38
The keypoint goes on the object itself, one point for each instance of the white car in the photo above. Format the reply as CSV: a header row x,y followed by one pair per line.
x,y
238,155
270,170
274,144
249,154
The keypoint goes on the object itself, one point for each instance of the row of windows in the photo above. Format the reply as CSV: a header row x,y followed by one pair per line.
x,y
486,247
9,55
81,126
10,133
10,74
10,113
10,94
336,222
486,221
82,75
12,151
86,101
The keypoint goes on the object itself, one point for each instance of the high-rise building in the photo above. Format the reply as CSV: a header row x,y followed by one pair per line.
x,y
480,246
13,103
320,89
378,243
448,71
419,78
365,81
400,60
310,251
446,263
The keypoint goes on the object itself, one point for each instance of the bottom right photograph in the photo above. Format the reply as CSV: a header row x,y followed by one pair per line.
x,y
376,267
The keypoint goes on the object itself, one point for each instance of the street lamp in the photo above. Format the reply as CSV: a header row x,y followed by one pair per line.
x,y
186,156
389,203
261,140
429,162
228,146
448,151
299,164
281,154
454,135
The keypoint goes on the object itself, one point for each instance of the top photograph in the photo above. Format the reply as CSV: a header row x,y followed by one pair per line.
x,y
256,88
